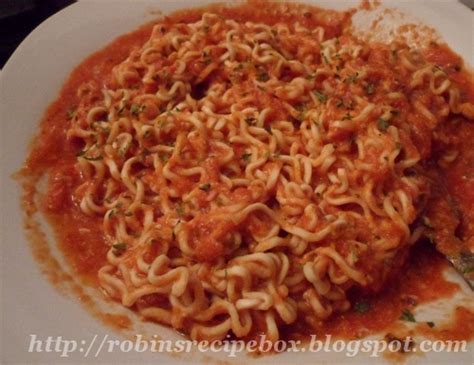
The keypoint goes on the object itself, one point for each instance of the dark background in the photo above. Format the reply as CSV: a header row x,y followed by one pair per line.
x,y
19,17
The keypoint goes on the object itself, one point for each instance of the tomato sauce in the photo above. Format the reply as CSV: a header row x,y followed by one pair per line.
x,y
81,237
420,281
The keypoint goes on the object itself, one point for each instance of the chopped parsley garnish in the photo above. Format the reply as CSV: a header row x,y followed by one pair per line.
x,y
206,28
339,103
246,156
269,130
468,270
362,306
398,146
164,158
348,116
71,113
121,110
206,61
300,118
119,248
320,96
430,324
353,78
325,59
205,187
407,316
382,124
439,68
466,262
263,77
135,109
250,121
123,150
370,89
180,210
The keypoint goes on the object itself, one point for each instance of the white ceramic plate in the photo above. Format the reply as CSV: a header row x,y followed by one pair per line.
x,y
29,82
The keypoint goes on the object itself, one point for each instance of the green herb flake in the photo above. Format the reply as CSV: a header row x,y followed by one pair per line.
x,y
353,78
348,116
206,61
71,113
246,156
325,59
370,89
339,103
119,248
300,118
121,111
205,187
146,152
439,68
320,96
250,121
263,77
362,307
382,124
269,130
180,210
430,324
135,109
407,316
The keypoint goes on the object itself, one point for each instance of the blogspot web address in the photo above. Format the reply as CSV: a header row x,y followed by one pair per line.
x,y
96,345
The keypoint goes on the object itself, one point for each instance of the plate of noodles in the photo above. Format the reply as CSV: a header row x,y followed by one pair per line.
x,y
194,182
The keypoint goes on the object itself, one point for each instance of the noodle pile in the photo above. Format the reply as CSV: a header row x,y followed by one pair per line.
x,y
249,175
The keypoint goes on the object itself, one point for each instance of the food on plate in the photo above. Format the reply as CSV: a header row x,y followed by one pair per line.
x,y
242,170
